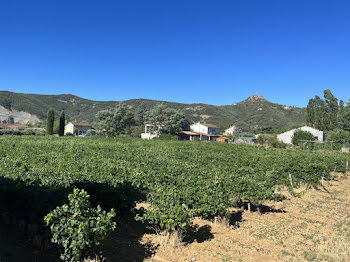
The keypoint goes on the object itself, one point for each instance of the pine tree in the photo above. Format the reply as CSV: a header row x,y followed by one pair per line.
x,y
61,124
50,121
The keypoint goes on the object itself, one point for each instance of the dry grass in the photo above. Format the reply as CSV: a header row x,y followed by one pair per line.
x,y
173,239
312,227
95,259
222,221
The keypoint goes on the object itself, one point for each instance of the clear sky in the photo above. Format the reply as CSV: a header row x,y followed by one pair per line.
x,y
216,52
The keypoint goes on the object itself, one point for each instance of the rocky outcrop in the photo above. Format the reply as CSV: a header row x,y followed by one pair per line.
x,y
18,116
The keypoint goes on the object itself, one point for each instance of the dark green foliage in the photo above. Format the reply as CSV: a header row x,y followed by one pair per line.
x,y
274,142
77,226
262,139
116,122
165,120
339,136
301,135
50,122
61,124
10,120
328,114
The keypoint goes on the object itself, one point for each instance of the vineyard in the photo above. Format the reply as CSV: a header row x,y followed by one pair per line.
x,y
180,180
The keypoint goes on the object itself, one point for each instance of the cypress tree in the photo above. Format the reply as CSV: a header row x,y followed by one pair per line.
x,y
50,122
331,110
310,113
61,124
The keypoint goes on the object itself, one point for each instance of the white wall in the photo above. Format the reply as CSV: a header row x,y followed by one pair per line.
x,y
69,128
198,127
287,136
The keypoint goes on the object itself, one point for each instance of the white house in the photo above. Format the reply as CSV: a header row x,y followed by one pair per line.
x,y
207,132
205,128
287,137
82,128
148,134
230,131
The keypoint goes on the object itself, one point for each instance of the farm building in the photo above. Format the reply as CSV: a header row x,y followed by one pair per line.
x,y
81,128
222,139
230,131
245,140
201,131
287,137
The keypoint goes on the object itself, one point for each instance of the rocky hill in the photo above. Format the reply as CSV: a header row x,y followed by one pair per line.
x,y
255,114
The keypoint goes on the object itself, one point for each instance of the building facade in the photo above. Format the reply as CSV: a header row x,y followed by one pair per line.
x,y
82,128
287,137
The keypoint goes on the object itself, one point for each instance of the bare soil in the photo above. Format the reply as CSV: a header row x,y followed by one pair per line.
x,y
313,227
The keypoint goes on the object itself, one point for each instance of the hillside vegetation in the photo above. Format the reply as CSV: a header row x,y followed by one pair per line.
x,y
253,114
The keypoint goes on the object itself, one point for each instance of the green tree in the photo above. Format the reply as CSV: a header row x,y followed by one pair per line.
x,y
116,122
301,135
50,121
77,226
61,124
10,120
339,135
165,120
319,106
331,110
310,113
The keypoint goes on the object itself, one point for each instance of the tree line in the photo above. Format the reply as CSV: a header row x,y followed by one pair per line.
x,y
330,115
161,120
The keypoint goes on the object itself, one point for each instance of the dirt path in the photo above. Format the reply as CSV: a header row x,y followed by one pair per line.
x,y
315,227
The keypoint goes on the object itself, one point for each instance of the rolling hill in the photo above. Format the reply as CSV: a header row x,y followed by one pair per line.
x,y
255,114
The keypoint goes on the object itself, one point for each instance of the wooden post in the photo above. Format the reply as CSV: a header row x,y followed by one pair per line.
x,y
291,180
347,165
249,207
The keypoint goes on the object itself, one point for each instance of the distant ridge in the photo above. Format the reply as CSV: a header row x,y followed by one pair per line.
x,y
254,114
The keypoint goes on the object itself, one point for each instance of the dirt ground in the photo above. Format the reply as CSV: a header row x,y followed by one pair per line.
x,y
313,227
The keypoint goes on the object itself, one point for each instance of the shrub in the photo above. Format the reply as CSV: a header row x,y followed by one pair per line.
x,y
77,226
261,140
274,142
301,135
339,136
167,137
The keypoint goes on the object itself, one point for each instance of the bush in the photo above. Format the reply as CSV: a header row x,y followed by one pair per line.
x,y
77,226
167,137
301,135
274,142
262,139
339,136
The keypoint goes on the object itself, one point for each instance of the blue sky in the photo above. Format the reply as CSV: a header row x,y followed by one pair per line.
x,y
215,52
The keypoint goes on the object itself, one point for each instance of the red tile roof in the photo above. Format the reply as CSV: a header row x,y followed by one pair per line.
x,y
81,124
13,126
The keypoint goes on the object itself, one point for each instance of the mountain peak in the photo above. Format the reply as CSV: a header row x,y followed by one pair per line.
x,y
254,98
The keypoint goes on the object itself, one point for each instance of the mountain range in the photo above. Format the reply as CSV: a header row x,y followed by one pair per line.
x,y
255,114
